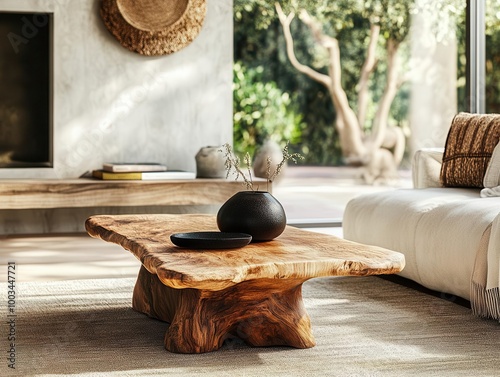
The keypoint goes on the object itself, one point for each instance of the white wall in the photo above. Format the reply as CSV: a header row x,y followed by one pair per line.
x,y
111,104
433,68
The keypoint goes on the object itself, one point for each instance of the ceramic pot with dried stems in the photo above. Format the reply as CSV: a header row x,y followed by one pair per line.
x,y
257,213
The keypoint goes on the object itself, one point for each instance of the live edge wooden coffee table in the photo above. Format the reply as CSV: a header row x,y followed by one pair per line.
x,y
254,292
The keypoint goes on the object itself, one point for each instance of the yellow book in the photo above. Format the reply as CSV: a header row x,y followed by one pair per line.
x,y
106,175
144,176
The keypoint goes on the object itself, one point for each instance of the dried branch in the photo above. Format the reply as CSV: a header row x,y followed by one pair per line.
x,y
248,163
286,157
232,163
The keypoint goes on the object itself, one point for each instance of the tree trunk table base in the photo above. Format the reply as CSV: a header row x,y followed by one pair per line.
x,y
253,293
262,312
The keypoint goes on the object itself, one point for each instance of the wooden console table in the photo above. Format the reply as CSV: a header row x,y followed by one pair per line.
x,y
83,192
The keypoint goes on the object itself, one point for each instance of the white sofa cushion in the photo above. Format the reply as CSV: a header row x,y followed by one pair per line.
x,y
437,229
492,176
426,167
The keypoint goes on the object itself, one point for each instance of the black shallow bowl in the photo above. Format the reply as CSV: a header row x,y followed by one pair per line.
x,y
211,240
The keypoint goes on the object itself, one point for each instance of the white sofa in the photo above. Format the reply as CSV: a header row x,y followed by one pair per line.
x,y
444,233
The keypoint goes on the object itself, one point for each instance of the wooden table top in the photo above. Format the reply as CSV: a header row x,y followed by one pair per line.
x,y
295,254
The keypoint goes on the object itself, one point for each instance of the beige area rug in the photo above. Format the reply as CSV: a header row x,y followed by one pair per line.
x,y
363,327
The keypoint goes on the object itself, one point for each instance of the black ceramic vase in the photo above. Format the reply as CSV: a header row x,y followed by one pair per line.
x,y
257,213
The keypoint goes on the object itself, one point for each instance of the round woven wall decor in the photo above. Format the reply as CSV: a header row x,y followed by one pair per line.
x,y
154,27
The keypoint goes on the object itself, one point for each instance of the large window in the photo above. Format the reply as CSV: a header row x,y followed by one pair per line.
x,y
492,56
357,87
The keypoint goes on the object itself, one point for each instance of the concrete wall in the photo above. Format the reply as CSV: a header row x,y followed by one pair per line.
x,y
111,104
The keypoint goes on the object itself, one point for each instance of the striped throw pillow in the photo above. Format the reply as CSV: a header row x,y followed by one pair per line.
x,y
469,146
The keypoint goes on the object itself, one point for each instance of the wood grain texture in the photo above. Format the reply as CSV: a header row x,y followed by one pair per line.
x,y
254,293
262,312
79,193
295,254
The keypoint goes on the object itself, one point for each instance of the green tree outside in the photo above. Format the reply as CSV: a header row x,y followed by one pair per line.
x,y
259,42
262,111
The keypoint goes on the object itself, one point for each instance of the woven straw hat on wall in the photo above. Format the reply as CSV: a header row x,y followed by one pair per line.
x,y
154,27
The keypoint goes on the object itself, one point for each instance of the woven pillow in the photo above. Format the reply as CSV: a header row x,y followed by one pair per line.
x,y
469,146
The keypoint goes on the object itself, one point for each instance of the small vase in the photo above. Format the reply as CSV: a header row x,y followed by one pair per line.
x,y
257,213
210,163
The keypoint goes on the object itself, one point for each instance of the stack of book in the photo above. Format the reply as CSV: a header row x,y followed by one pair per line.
x,y
139,171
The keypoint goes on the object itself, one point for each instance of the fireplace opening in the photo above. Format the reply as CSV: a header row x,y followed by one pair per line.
x,y
25,89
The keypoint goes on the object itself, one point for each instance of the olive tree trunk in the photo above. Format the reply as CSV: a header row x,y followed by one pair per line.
x,y
380,152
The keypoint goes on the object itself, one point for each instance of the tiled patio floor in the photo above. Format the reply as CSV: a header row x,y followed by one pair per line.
x,y
322,192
